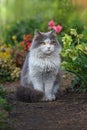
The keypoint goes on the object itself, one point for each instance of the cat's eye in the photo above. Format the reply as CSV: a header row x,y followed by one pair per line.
x,y
52,42
42,43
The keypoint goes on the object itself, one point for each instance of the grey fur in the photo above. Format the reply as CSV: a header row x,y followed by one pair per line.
x,y
40,72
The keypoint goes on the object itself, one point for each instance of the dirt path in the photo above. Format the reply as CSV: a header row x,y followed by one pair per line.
x,y
69,112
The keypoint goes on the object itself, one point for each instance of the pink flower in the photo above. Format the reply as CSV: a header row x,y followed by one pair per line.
x,y
57,28
51,24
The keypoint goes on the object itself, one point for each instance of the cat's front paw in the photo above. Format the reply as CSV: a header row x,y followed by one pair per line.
x,y
49,98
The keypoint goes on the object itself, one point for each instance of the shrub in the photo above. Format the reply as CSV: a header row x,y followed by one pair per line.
x,y
75,59
8,69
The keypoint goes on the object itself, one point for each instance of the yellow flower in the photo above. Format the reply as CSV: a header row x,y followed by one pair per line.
x,y
14,37
5,51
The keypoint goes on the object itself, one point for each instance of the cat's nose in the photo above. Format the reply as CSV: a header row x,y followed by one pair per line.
x,y
48,48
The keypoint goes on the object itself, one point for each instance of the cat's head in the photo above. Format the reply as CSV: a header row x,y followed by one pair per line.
x,y
46,43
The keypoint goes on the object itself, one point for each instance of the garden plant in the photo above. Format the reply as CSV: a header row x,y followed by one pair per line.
x,y
75,59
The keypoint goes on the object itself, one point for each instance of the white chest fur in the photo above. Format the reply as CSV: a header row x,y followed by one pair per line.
x,y
48,63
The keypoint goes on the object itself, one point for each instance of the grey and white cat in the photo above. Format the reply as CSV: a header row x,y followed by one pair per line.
x,y
40,72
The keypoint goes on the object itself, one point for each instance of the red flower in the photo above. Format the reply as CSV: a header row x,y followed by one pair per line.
x,y
28,44
27,37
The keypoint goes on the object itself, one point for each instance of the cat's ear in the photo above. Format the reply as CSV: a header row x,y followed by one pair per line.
x,y
37,33
53,33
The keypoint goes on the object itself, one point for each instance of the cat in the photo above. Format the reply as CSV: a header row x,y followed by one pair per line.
x,y
40,72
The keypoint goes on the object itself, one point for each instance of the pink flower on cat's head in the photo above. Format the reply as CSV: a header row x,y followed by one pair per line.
x,y
57,28
51,24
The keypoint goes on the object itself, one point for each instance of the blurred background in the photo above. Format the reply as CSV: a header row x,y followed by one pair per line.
x,y
22,17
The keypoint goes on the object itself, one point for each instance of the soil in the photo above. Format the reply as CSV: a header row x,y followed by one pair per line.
x,y
68,112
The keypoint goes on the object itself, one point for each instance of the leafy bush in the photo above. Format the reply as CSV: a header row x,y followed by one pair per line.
x,y
8,69
75,59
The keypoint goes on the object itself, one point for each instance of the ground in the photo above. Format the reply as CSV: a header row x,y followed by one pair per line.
x,y
68,112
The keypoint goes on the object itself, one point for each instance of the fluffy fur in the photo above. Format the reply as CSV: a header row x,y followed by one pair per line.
x,y
40,72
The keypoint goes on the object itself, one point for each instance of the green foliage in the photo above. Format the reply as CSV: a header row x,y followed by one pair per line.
x,y
3,93
21,28
4,108
3,102
75,59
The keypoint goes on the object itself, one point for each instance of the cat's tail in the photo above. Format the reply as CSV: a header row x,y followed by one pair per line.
x,y
27,94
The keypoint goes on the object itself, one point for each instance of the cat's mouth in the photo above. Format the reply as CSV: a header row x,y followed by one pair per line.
x,y
48,52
